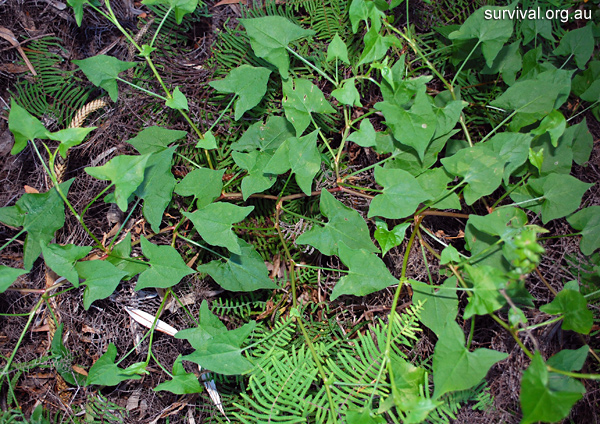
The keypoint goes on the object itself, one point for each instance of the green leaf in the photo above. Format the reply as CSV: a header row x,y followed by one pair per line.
x,y
569,359
245,272
361,10
337,50
573,307
512,148
146,51
302,156
102,71
24,127
367,273
586,84
213,223
531,28
376,46
413,127
266,137
270,36
539,401
508,62
454,367
402,194
166,266
363,416
481,169
345,226
8,276
208,141
583,141
554,124
155,139
105,372
217,349
492,34
389,239
301,98
182,382
69,137
248,83
62,359
449,255
181,7
588,222
77,6
101,280
40,214
257,180
406,382
578,43
441,306
365,136
486,282
178,100
120,257
347,94
157,187
562,195
203,183
535,97
126,172
61,259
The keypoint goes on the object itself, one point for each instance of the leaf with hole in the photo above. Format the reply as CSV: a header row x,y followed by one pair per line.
x,y
101,280
248,83
301,98
345,226
167,268
103,71
105,372
245,272
270,36
454,366
126,172
367,273
24,127
8,276
588,222
213,223
40,214
182,382
62,259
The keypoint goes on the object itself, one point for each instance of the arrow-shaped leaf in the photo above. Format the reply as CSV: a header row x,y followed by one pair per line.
x,y
101,280
102,71
166,266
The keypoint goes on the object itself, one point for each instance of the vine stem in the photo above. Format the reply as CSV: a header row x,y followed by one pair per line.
x,y
64,198
310,65
21,337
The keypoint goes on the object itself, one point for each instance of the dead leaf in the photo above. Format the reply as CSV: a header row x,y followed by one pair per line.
x,y
145,319
79,370
31,190
10,37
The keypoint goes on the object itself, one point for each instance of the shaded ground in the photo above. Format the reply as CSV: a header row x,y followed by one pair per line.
x,y
89,332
